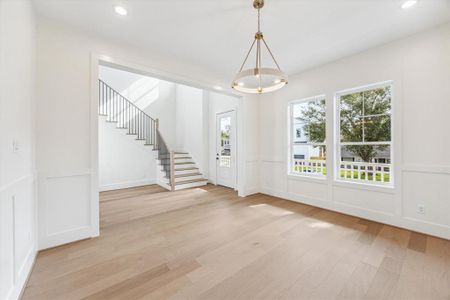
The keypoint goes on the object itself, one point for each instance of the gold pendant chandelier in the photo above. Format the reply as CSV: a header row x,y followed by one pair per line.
x,y
259,80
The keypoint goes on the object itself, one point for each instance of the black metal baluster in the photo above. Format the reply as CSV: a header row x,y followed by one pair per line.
x,y
108,104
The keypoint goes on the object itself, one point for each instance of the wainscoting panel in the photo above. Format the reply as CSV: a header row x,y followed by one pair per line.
x,y
17,235
307,189
65,211
6,245
251,177
373,201
432,190
273,175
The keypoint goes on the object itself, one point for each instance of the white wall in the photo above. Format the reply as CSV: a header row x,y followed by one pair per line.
x,y
123,161
420,68
17,180
190,123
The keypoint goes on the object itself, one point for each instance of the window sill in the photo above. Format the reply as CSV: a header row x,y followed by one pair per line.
x,y
388,189
310,178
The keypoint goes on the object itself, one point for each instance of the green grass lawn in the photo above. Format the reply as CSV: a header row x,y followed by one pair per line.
x,y
344,174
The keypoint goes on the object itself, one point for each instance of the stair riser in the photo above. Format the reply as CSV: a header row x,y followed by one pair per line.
x,y
185,166
190,185
166,180
184,160
186,172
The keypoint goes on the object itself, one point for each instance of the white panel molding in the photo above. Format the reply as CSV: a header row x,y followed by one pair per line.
x,y
20,269
307,179
127,184
422,168
16,182
47,174
267,159
23,275
48,238
364,187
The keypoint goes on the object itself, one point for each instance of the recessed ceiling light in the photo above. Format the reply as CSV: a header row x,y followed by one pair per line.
x,y
120,10
409,3
240,84
219,88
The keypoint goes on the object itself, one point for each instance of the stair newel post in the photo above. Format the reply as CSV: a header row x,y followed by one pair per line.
x,y
172,170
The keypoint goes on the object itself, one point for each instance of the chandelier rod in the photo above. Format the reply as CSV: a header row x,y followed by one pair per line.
x,y
258,65
270,52
248,53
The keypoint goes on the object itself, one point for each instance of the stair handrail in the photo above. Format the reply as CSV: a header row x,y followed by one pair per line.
x,y
126,99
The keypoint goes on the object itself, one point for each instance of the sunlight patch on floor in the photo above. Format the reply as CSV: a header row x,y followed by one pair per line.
x,y
276,211
320,225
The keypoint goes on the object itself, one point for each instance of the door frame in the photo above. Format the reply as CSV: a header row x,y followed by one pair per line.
x,y
216,140
98,59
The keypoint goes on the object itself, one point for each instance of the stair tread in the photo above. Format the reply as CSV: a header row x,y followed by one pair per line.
x,y
181,153
184,163
190,181
184,157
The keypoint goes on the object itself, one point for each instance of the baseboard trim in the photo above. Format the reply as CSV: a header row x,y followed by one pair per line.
x,y
250,191
126,184
433,229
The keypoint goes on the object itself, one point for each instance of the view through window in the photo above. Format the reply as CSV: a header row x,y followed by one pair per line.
x,y
364,149
307,146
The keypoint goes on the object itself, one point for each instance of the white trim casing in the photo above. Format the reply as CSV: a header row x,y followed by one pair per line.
x,y
291,143
337,133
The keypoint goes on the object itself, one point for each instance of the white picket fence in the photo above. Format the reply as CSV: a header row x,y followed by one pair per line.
x,y
357,171
374,172
309,166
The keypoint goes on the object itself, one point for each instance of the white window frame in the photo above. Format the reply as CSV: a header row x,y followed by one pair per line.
x,y
291,143
337,136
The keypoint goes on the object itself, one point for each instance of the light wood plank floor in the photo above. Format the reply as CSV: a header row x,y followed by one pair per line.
x,y
207,243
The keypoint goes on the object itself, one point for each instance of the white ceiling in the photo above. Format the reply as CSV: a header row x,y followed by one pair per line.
x,y
217,34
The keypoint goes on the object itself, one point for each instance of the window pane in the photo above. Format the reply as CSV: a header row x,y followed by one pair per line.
x,y
308,159
366,162
377,129
225,147
351,129
309,121
377,101
299,133
351,105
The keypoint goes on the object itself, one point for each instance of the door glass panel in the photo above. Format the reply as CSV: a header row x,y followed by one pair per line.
x,y
225,147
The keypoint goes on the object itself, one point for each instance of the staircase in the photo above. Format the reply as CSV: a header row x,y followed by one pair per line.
x,y
175,170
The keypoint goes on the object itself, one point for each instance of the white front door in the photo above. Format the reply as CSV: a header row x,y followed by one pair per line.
x,y
226,149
